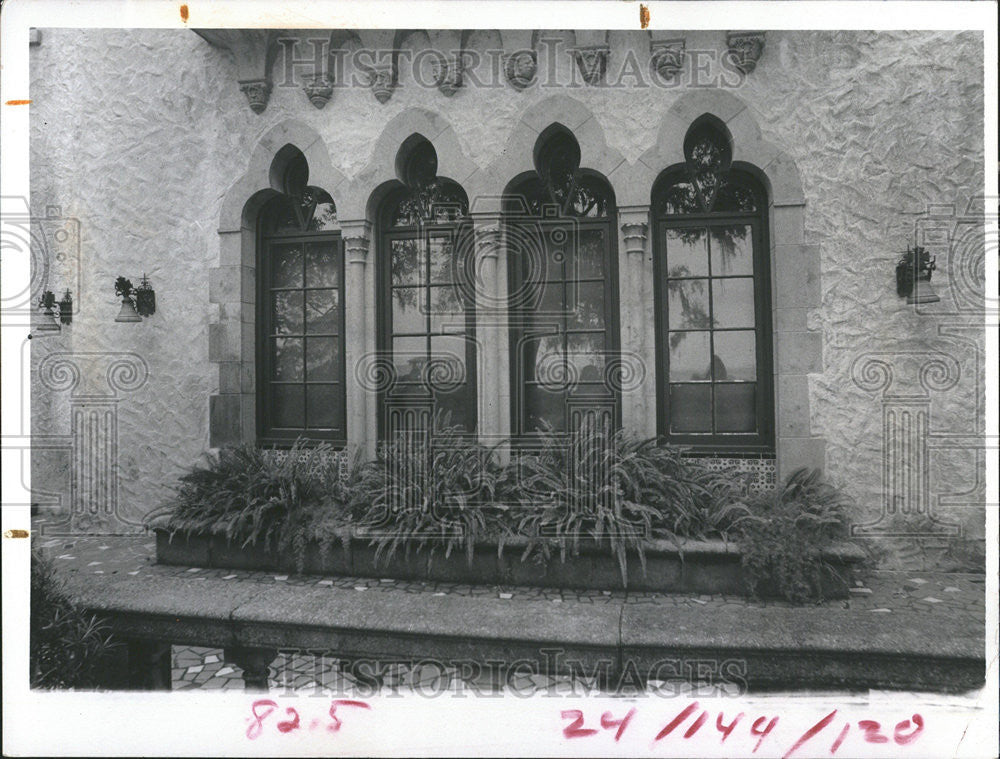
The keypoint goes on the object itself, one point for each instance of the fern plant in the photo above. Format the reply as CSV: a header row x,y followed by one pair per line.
x,y
612,489
783,539
435,492
252,496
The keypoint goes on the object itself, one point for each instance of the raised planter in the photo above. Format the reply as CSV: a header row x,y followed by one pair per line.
x,y
711,566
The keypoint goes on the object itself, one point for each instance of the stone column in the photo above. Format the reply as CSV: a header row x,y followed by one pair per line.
x,y
255,663
635,376
359,328
493,391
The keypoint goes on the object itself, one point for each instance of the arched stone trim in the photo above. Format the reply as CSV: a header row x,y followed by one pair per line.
x,y
486,189
360,202
232,284
795,266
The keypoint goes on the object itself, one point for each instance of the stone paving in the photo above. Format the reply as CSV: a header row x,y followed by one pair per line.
x,y
882,592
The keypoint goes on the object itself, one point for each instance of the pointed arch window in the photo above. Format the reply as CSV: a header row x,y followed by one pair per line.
x,y
563,293
713,300
426,331
300,314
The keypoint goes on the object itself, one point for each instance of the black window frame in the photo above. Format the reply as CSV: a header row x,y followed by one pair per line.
x,y
715,443
517,319
424,230
267,434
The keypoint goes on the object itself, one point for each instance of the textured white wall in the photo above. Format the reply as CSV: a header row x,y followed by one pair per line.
x,y
140,133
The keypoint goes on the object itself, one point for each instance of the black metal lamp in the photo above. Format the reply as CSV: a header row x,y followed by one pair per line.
x,y
124,290
66,308
913,276
145,297
50,307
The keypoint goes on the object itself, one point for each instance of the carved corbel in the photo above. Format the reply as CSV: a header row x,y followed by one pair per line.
x,y
250,49
745,49
592,60
382,80
667,57
448,74
520,68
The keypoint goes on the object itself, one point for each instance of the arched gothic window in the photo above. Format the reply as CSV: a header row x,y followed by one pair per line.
x,y
300,311
712,299
426,330
563,292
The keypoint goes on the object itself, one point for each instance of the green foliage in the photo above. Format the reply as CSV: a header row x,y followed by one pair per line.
x,y
252,496
435,493
68,648
610,488
783,539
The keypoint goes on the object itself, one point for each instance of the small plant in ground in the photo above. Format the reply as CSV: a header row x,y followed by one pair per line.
x,y
783,539
68,648
256,496
433,491
610,488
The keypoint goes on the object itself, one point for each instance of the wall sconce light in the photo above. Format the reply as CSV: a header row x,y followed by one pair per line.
x,y
49,304
913,276
137,302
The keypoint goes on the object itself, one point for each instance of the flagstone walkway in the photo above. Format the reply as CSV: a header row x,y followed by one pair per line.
x,y
948,595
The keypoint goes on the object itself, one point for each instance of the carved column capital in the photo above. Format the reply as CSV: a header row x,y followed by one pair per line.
x,y
257,91
357,241
635,234
488,233
745,49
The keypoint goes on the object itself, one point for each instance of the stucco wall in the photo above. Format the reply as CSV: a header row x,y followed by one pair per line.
x,y
140,134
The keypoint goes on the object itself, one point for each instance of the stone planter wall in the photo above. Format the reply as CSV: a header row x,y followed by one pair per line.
x,y
699,567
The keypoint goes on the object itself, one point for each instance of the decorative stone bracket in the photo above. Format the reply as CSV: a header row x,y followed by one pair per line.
x,y
448,74
382,81
667,57
745,49
592,60
250,49
520,68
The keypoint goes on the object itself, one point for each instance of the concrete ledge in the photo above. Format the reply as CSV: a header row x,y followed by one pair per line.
x,y
759,647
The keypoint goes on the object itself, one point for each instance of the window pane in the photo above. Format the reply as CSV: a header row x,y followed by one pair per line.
x,y
542,406
409,354
325,217
445,299
322,354
544,360
441,260
689,357
735,356
590,253
732,302
407,310
321,265
286,265
687,304
732,250
287,313
586,356
408,262
323,409
690,408
288,407
323,311
552,299
449,367
687,252
735,409
287,362
590,304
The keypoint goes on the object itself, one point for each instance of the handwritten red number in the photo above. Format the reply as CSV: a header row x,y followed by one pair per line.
x,y
727,729
808,734
608,723
871,730
576,729
337,722
755,730
696,725
902,739
840,738
286,726
672,724
257,725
